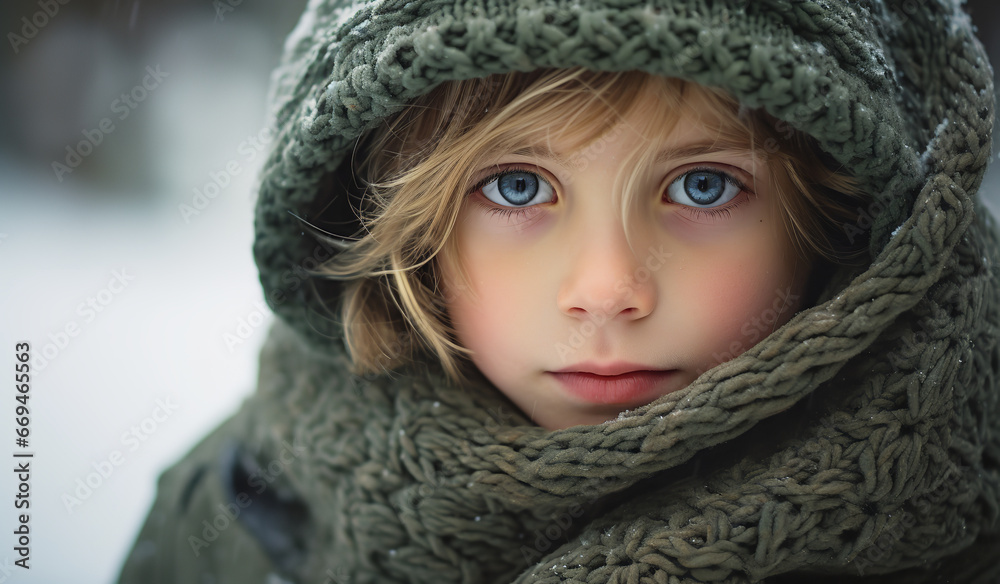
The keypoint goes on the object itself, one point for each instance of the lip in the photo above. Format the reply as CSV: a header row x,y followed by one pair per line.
x,y
614,368
614,383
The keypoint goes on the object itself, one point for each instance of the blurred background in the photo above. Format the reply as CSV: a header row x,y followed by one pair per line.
x,y
130,136
138,295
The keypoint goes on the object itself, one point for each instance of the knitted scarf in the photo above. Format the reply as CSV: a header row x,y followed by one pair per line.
x,y
858,441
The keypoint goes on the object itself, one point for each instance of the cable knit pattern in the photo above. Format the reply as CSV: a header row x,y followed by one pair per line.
x,y
867,426
421,485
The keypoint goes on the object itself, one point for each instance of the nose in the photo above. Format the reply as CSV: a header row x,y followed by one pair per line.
x,y
606,279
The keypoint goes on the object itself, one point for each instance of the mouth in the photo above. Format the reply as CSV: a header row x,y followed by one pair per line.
x,y
615,384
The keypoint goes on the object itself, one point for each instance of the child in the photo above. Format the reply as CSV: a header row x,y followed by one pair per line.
x,y
537,266
546,240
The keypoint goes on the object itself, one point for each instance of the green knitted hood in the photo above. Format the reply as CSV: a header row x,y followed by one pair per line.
x,y
867,425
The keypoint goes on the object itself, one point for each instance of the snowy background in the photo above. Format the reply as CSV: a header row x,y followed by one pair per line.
x,y
130,304
156,298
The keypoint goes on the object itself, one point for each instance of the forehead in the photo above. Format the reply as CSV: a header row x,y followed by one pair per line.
x,y
670,116
659,125
675,118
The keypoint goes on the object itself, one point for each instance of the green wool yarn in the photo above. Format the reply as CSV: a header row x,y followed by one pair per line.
x,y
900,95
868,425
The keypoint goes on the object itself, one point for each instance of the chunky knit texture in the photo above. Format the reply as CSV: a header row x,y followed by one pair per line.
x,y
867,425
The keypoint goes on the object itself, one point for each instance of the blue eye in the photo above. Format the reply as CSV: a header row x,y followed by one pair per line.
x,y
517,188
704,188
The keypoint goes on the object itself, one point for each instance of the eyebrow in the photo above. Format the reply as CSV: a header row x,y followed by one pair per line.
x,y
701,149
685,151
540,152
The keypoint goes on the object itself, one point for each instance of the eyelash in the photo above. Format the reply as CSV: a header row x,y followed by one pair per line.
x,y
506,212
723,212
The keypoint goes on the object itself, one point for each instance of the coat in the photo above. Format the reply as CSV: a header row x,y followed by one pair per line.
x,y
857,443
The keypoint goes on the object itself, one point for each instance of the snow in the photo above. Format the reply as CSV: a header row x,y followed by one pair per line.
x,y
159,340
932,144
331,89
169,291
345,13
960,18
304,28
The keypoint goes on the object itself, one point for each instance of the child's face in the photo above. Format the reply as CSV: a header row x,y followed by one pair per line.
x,y
573,325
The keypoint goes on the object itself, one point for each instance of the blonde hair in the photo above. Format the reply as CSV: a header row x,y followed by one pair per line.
x,y
420,164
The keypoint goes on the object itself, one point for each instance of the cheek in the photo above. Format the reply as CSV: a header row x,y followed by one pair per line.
x,y
491,312
735,295
729,296
475,314
488,319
